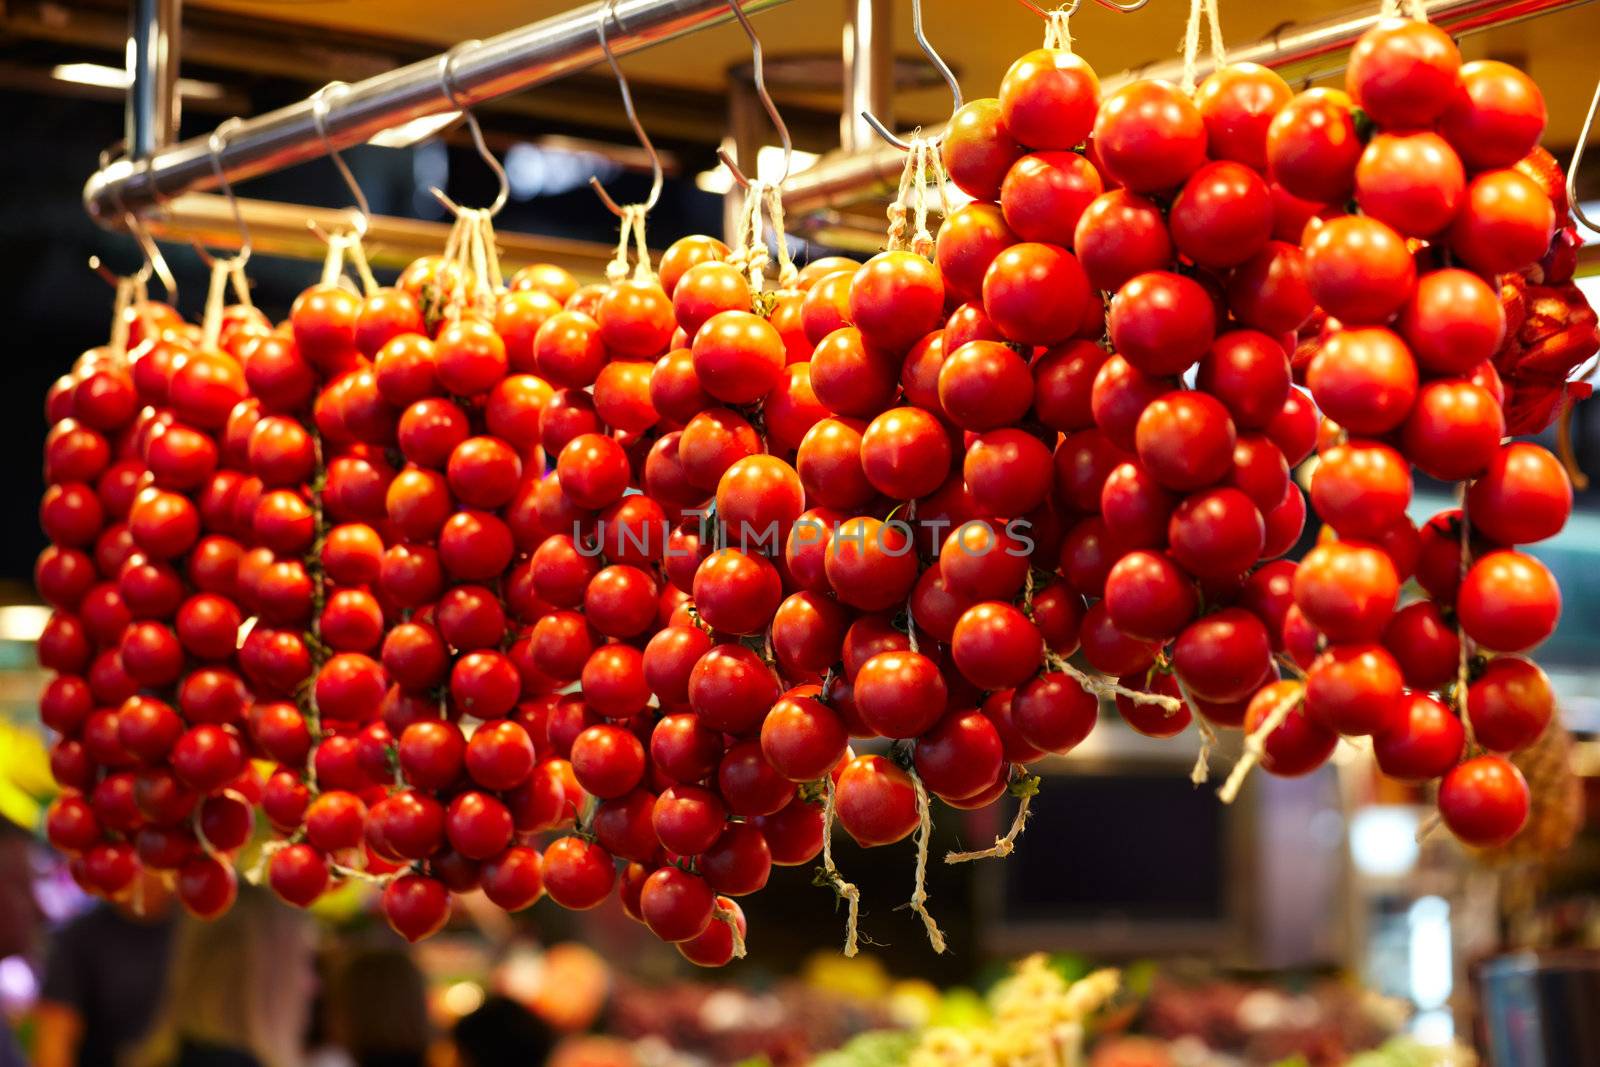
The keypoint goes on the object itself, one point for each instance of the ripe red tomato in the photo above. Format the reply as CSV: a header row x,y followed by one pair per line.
x,y
710,444
1504,224
1298,746
1413,181
706,289
1347,591
1361,488
1424,644
1149,136
731,689
1035,293
1007,472
895,298
1216,533
984,385
1403,72
1508,601
969,239
1237,104
875,801
1249,373
578,874
1524,496
905,454
1121,234
680,257
1223,656
978,149
1149,597
1453,322
298,874
1312,146
737,592
1152,720
1359,270
1185,439
1048,98
1509,704
1354,689
1424,739
899,694
676,905
607,760
1222,216
1118,397
1063,379
852,375
1484,801
801,737
826,306
1453,431
961,756
1161,322
1363,379
738,356
1045,193
635,318
1496,116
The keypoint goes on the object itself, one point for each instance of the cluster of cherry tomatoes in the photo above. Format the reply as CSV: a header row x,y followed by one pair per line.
x,y
569,591
148,533
1364,234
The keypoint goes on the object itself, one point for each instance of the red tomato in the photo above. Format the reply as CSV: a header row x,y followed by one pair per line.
x,y
1238,103
1312,146
1412,181
1048,98
1495,117
1149,136
1403,72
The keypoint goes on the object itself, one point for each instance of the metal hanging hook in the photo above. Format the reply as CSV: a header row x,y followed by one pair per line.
x,y
319,119
607,11
1109,5
137,232
939,64
152,255
218,143
447,82
760,77
1577,161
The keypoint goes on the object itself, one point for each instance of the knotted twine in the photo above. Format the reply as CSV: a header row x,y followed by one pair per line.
x,y
475,283
224,272
631,231
1057,33
1191,42
909,209
762,207
1255,743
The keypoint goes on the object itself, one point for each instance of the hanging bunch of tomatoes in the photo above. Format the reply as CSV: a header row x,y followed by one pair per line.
x,y
569,591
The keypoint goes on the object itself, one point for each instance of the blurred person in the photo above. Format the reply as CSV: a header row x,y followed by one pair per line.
x,y
102,979
500,1032
238,990
377,1008
21,918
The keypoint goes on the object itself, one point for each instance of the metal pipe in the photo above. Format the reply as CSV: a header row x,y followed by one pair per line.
x,y
868,70
282,230
153,58
1312,51
515,60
